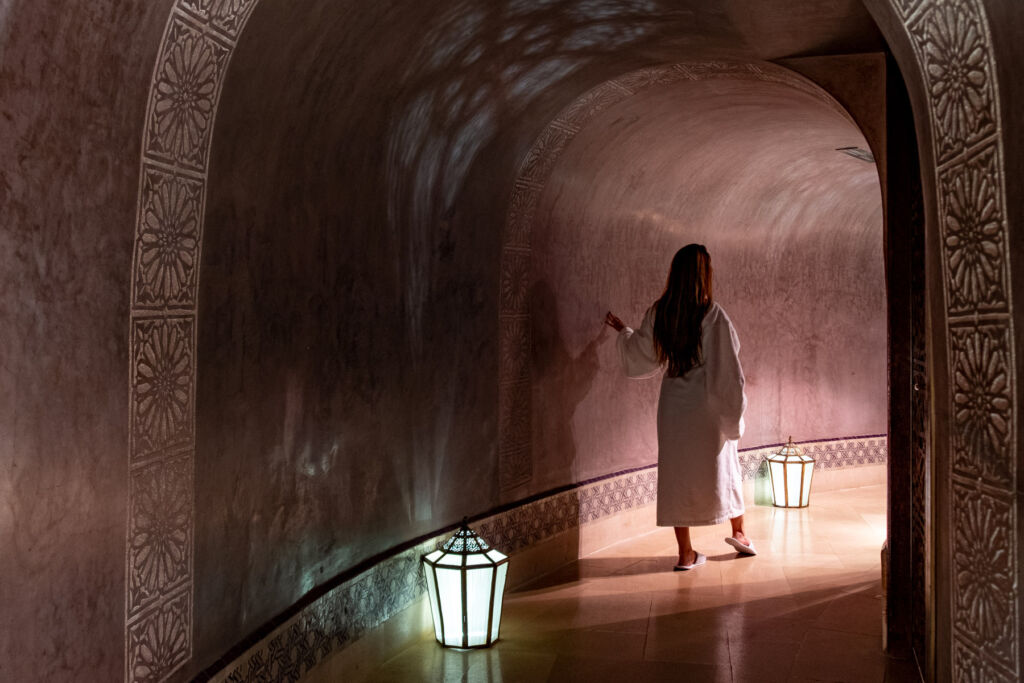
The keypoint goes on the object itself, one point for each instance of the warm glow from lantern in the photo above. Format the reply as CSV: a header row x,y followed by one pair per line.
x,y
465,586
791,472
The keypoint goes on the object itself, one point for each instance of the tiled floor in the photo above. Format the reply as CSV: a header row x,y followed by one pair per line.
x,y
807,608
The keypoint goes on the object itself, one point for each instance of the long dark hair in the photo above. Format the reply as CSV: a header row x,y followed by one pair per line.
x,y
680,310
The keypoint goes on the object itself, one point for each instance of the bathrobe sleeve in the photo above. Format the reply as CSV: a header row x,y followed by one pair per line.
x,y
636,348
724,375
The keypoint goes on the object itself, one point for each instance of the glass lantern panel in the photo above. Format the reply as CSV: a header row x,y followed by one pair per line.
x,y
808,474
449,585
477,559
793,482
449,560
499,595
775,471
432,557
428,572
478,603
496,556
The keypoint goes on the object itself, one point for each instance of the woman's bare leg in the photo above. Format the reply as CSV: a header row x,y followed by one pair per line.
x,y
737,530
687,555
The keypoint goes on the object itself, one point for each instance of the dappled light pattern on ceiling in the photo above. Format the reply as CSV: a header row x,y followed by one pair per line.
x,y
477,68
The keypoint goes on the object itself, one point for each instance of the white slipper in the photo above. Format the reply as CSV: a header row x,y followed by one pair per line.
x,y
698,561
741,548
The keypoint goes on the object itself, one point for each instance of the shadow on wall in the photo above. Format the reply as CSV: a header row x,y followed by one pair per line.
x,y
479,69
555,366
480,63
347,293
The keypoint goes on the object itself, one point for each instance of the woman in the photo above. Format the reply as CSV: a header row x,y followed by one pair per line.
x,y
700,410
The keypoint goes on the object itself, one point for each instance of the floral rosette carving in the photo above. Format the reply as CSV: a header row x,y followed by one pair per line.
x,y
163,390
983,574
956,61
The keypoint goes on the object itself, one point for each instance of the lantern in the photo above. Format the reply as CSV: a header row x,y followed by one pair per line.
x,y
465,584
790,472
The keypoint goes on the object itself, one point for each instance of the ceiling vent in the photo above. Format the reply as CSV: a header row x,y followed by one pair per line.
x,y
858,153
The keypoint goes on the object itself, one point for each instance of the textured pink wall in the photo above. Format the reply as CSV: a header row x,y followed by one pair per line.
x,y
795,233
73,78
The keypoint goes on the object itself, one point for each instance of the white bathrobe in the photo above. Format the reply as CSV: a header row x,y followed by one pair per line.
x,y
700,419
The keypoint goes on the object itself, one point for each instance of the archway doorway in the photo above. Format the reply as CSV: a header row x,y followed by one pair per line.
x,y
565,204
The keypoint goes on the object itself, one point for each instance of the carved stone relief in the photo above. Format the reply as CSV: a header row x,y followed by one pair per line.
x,y
160,554
984,574
954,51
982,398
193,58
974,242
168,240
184,95
953,47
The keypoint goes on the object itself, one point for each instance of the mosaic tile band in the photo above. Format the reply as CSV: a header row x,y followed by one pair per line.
x,y
835,454
347,612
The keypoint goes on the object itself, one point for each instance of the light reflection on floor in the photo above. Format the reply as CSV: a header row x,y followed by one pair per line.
x,y
807,608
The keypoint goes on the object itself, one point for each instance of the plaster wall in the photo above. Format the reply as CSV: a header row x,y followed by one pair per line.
x,y
346,354
794,229
73,78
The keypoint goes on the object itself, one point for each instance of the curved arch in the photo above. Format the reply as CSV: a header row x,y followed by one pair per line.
x,y
514,382
193,57
961,122
969,176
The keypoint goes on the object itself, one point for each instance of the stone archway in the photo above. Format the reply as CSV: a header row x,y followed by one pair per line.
x,y
973,368
955,65
193,57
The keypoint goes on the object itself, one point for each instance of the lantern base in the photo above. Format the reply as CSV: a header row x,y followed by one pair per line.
x,y
460,648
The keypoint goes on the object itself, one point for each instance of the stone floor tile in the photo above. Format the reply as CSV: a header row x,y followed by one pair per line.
x,y
840,657
806,608
572,669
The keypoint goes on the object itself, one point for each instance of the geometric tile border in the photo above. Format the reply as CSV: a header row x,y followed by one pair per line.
x,y
514,395
953,47
833,454
342,615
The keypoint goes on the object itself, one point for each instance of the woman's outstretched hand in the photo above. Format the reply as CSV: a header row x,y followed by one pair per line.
x,y
613,321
